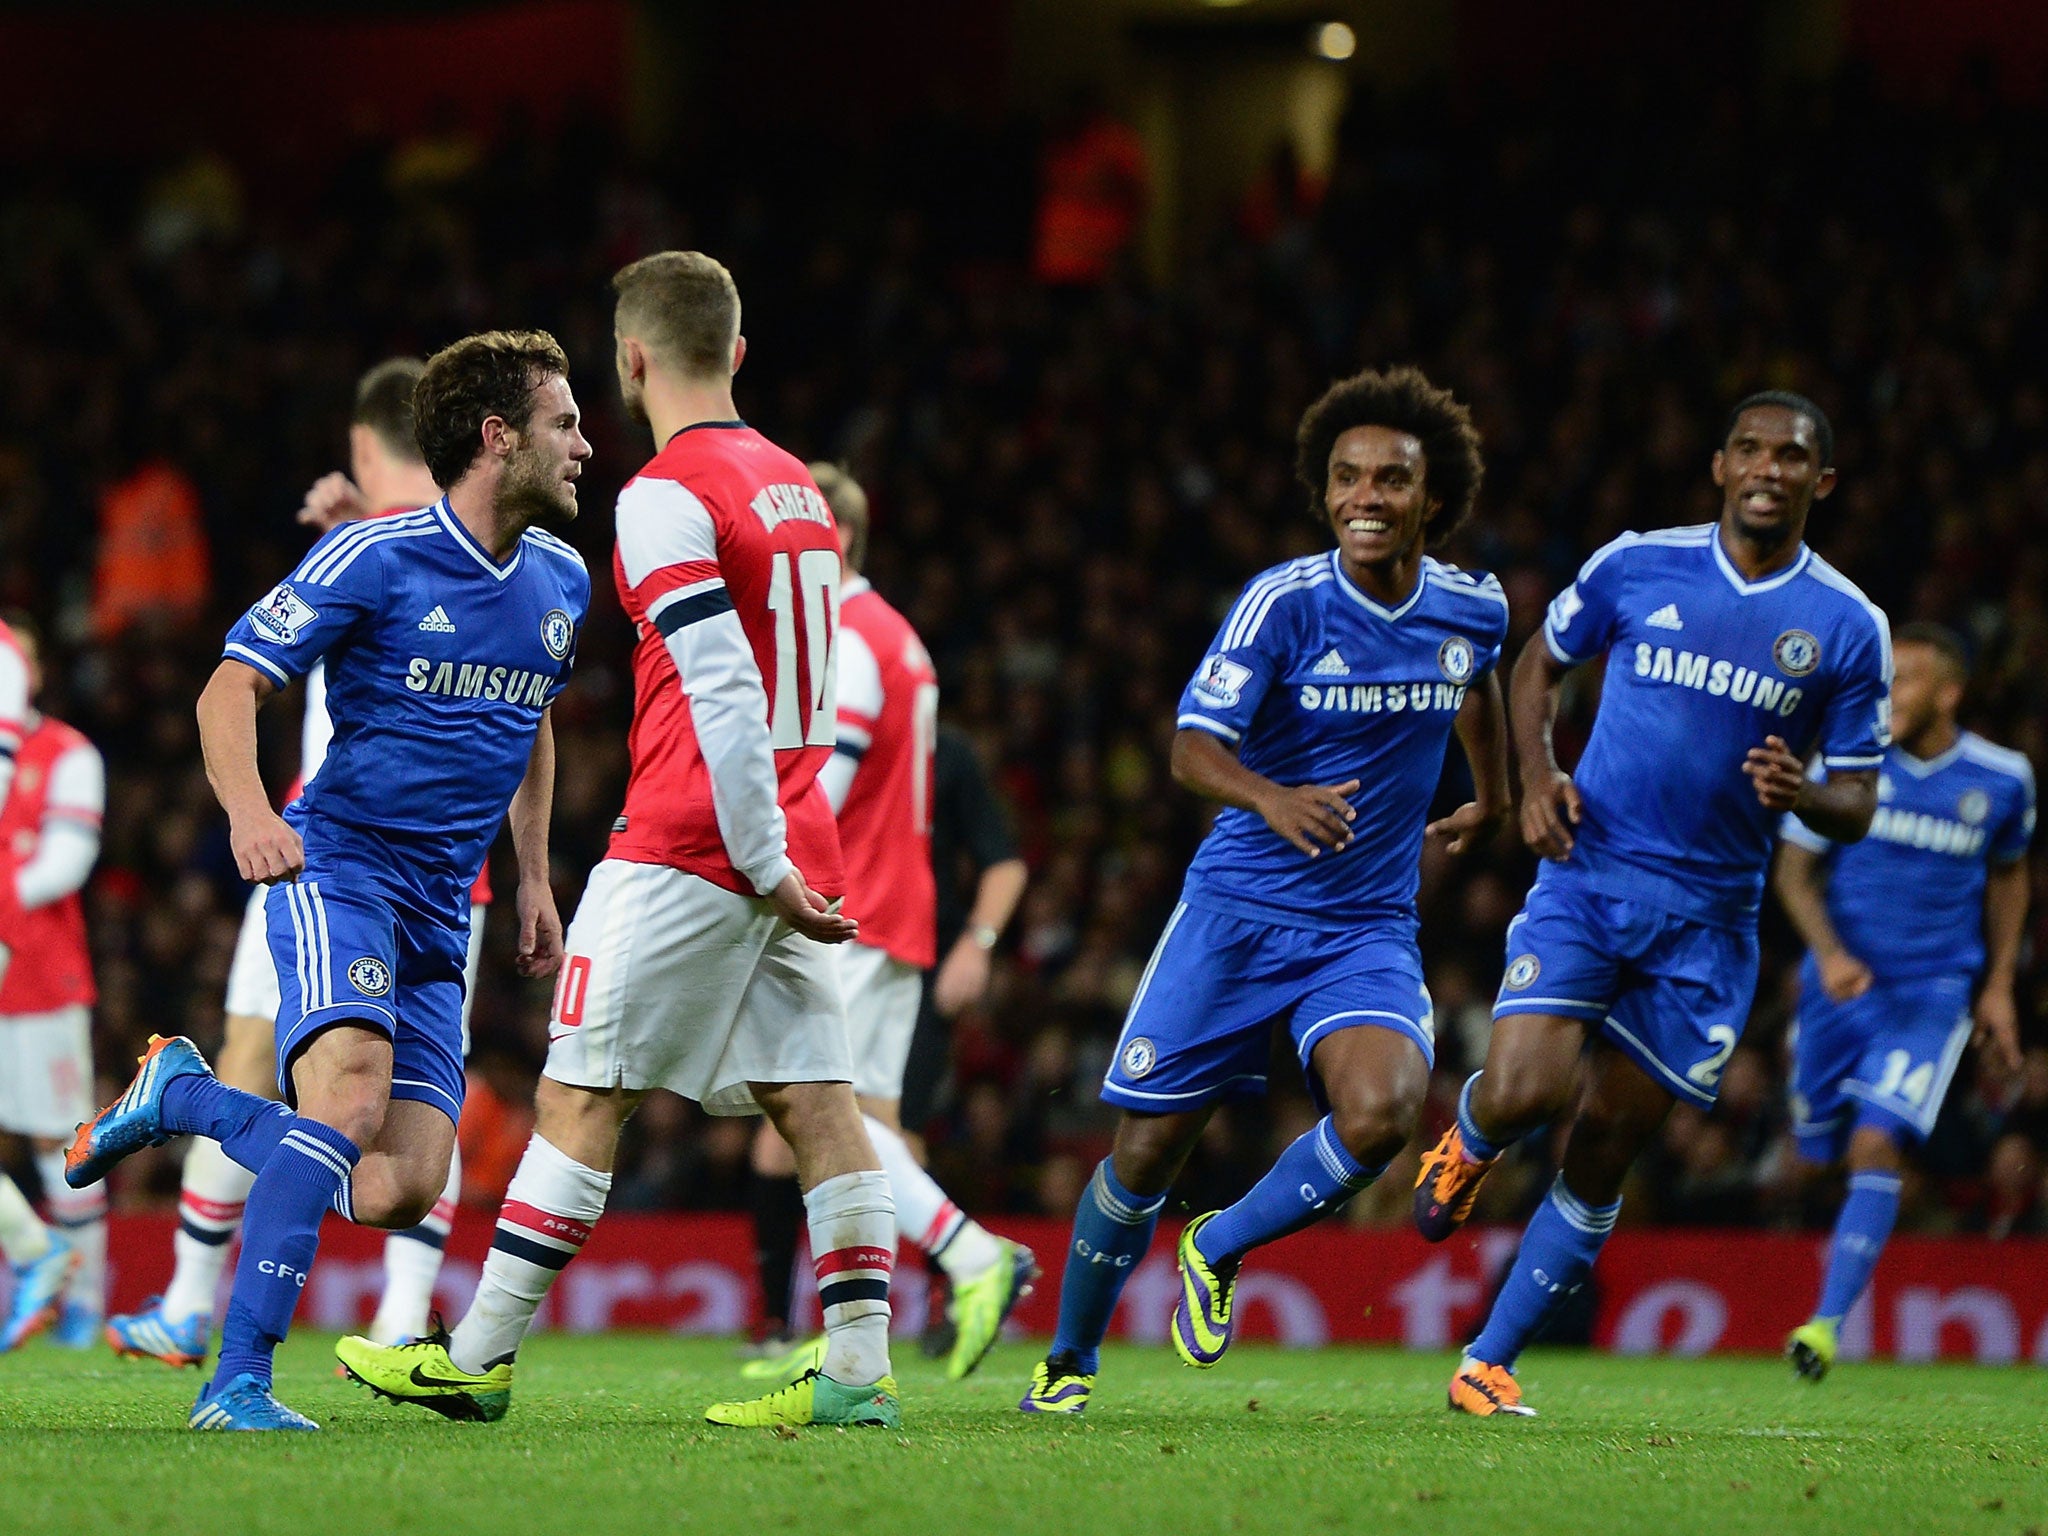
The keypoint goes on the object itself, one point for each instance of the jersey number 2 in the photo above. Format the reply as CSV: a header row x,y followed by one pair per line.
x,y
815,589
1707,1074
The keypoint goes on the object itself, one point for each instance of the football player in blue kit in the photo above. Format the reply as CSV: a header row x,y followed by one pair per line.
x,y
447,634
1885,995
1733,652
1319,719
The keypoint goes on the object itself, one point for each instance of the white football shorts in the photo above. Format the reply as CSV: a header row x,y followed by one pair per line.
x,y
672,982
46,1085
882,998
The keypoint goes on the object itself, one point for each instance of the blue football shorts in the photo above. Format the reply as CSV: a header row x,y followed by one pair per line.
x,y
350,946
1672,993
1884,1059
1199,1028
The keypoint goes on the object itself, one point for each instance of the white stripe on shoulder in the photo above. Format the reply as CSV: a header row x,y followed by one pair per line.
x,y
1613,547
1451,579
1988,754
324,551
1263,591
1691,533
317,565
540,538
335,572
1828,576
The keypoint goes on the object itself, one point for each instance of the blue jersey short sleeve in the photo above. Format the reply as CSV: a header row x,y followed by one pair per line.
x,y
2015,832
309,613
1248,653
1580,622
1856,728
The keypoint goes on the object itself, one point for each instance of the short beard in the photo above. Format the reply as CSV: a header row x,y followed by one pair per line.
x,y
533,492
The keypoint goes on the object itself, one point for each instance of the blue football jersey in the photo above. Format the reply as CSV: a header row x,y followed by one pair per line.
x,y
1316,683
1908,900
440,660
1701,666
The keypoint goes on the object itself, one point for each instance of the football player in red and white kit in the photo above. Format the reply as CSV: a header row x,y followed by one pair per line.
x,y
49,838
699,957
386,477
880,780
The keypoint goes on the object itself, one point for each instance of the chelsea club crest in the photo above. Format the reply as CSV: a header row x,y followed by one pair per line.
x,y
369,976
1454,657
557,630
1796,653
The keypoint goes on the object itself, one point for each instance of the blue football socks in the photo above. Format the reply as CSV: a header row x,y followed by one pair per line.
x,y
1112,1230
248,1128
280,1235
1312,1178
1477,1147
1860,1233
1564,1237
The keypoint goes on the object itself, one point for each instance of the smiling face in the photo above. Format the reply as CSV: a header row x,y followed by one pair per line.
x,y
1770,474
542,470
1377,495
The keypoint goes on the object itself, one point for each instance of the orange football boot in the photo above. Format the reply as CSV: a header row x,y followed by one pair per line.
x,y
1484,1390
1447,1186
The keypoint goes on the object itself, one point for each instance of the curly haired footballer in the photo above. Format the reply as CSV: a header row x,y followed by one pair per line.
x,y
1405,400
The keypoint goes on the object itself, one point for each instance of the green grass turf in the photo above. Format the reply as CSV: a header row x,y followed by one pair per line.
x,y
604,1438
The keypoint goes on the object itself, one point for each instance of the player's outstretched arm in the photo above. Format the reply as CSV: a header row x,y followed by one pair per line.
x,y
1483,733
1800,879
266,850
1310,816
2005,919
533,808
1550,800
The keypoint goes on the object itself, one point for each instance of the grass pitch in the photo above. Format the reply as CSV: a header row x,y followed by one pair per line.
x,y
604,1438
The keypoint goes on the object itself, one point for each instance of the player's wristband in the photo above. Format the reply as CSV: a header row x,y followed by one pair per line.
x,y
984,936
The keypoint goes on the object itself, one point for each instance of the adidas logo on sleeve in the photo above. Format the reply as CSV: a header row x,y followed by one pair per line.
x,y
439,623
1666,618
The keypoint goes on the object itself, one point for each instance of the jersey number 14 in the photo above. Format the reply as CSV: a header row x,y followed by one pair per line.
x,y
806,609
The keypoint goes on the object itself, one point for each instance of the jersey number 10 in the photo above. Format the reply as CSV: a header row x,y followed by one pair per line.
x,y
816,589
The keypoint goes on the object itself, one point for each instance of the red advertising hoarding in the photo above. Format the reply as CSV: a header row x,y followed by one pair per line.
x,y
1681,1292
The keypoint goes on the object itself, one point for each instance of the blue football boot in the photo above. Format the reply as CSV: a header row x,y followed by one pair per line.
x,y
38,1289
134,1120
244,1403
150,1334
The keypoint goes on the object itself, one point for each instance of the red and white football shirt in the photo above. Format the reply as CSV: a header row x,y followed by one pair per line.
x,y
60,787
889,731
728,566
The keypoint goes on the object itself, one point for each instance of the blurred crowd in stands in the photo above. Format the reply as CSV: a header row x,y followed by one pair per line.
x,y
1070,482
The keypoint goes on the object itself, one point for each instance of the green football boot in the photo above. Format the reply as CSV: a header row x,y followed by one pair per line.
x,y
421,1373
814,1398
1811,1349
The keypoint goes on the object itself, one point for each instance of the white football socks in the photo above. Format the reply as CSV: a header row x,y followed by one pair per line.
x,y
23,1237
549,1210
81,1215
211,1193
412,1264
924,1216
853,1243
